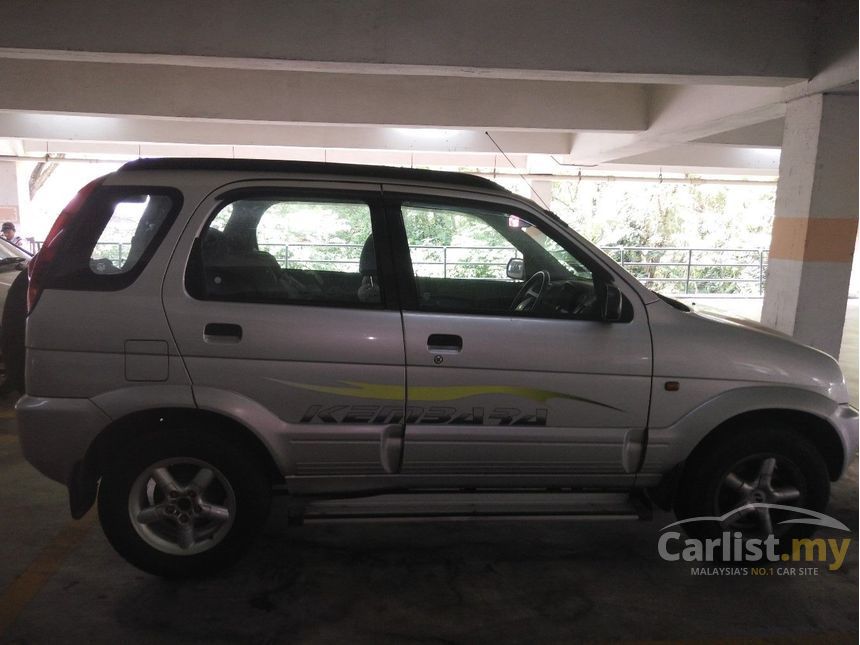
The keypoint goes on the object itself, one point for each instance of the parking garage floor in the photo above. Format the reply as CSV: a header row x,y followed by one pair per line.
x,y
456,582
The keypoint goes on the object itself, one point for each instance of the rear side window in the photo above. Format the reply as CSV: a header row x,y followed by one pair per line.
x,y
113,237
313,250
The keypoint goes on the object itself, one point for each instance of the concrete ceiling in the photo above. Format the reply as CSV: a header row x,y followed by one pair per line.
x,y
690,86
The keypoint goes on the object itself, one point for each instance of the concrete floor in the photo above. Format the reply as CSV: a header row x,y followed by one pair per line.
x,y
528,582
401,583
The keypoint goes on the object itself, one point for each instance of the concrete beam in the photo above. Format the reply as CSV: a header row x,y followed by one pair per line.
x,y
697,155
679,114
137,130
80,150
835,59
684,113
304,97
761,135
767,42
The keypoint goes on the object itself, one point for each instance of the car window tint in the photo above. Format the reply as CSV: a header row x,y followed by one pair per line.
x,y
221,219
455,244
132,225
284,250
476,260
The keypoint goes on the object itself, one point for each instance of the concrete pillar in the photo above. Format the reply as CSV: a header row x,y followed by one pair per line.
x,y
9,203
815,221
541,192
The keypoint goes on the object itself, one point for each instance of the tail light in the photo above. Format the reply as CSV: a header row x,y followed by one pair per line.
x,y
40,264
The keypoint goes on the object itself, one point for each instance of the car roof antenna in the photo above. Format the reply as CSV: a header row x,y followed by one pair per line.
x,y
521,176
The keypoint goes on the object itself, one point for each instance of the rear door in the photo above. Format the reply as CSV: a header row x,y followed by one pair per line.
x,y
498,386
280,309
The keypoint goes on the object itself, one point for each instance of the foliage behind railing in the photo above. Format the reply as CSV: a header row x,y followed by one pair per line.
x,y
671,270
695,271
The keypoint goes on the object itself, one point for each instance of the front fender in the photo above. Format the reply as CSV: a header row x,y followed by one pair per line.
x,y
670,445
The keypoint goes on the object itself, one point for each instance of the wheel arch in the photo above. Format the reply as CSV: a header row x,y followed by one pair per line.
x,y
817,415
135,425
813,428
138,424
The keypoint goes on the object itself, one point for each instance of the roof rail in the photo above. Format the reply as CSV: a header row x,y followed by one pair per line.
x,y
317,168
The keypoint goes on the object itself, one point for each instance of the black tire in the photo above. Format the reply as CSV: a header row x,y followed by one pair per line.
x,y
242,475
707,488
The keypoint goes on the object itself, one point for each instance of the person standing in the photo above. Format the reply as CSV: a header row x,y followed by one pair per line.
x,y
9,234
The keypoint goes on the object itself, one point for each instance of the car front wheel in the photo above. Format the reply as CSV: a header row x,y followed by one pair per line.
x,y
751,482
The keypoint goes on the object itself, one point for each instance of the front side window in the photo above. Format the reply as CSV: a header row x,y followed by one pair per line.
x,y
312,251
484,261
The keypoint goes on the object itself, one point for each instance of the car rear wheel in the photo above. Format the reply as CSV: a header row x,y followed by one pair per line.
x,y
749,483
182,503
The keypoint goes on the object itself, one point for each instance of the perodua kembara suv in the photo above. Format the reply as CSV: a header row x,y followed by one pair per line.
x,y
390,342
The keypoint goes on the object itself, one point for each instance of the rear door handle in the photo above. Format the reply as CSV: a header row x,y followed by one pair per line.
x,y
444,343
222,333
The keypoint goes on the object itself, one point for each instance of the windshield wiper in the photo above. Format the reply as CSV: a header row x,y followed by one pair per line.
x,y
11,260
677,304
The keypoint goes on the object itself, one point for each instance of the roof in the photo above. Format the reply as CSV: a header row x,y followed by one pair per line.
x,y
315,168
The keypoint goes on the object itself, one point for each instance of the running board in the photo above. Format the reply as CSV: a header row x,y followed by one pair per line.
x,y
434,506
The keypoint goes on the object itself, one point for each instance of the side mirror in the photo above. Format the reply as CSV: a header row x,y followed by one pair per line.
x,y
516,268
613,303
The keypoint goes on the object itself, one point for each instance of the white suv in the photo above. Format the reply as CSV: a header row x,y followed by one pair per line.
x,y
381,341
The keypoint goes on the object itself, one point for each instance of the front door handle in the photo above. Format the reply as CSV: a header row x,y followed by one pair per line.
x,y
222,333
445,343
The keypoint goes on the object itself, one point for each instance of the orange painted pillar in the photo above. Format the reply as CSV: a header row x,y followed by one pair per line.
x,y
815,221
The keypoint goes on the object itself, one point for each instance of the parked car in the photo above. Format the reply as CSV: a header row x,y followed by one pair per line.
x,y
13,289
13,260
389,342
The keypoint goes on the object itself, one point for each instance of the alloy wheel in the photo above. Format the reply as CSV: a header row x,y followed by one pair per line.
x,y
751,486
182,506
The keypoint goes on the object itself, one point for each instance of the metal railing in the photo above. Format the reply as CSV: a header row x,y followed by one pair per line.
x,y
427,260
295,256
672,270
437,261
695,271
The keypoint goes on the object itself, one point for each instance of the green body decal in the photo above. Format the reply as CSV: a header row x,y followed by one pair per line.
x,y
439,392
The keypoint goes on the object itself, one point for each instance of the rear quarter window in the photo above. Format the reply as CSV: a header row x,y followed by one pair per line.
x,y
114,236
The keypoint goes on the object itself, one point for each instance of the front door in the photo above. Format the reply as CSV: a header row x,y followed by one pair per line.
x,y
510,368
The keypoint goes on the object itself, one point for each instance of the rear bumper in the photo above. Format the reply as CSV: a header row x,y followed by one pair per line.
x,y
845,420
56,433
